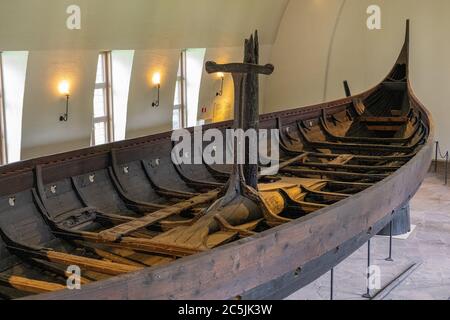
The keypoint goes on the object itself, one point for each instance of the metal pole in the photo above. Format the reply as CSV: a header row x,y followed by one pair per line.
x,y
390,242
332,284
436,158
367,294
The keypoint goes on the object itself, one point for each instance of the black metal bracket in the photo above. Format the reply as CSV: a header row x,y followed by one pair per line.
x,y
155,104
65,117
220,92
348,92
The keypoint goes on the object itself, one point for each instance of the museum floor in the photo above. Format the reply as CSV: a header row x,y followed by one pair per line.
x,y
429,244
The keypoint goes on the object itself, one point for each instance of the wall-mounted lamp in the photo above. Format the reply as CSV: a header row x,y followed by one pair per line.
x,y
222,77
156,79
64,89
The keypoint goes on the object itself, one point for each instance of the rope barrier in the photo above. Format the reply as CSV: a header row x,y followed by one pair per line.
x,y
445,156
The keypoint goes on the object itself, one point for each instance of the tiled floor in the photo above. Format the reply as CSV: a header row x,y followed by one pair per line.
x,y
428,244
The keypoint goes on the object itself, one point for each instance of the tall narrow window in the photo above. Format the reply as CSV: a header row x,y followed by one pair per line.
x,y
188,88
111,97
13,72
2,119
179,103
121,65
102,128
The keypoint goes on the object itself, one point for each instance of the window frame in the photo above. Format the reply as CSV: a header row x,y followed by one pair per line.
x,y
3,150
181,83
106,87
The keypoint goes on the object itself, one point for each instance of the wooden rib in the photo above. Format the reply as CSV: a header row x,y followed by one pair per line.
x,y
341,174
365,139
370,119
174,194
359,146
196,183
30,285
140,205
165,191
329,195
310,207
405,157
119,231
342,159
287,163
347,166
353,146
228,227
361,185
383,128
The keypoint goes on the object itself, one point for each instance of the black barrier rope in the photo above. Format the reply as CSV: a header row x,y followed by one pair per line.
x,y
439,154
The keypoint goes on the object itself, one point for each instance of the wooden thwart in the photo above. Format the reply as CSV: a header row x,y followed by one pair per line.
x,y
30,285
105,267
119,231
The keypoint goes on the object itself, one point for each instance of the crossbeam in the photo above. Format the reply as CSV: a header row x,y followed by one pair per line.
x,y
105,267
30,285
138,244
121,230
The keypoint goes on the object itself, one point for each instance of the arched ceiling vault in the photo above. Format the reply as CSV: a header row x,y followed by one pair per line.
x,y
137,24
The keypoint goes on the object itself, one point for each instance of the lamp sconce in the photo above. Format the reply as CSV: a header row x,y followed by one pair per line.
x,y
222,77
156,79
64,89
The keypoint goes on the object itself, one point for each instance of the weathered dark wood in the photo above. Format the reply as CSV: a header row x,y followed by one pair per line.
x,y
251,107
348,93
212,67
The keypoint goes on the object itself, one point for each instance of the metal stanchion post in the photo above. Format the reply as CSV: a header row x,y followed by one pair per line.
x,y
332,284
367,294
390,242
446,169
436,157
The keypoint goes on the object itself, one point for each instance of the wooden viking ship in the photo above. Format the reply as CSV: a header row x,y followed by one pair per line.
x,y
139,226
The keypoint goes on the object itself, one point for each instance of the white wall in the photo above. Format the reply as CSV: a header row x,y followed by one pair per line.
x,y
122,66
156,29
220,108
363,57
42,132
137,24
142,118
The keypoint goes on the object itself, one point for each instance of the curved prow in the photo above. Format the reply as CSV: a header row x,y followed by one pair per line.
x,y
400,72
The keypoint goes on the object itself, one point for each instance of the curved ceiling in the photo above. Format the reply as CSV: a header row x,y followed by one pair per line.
x,y
137,24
